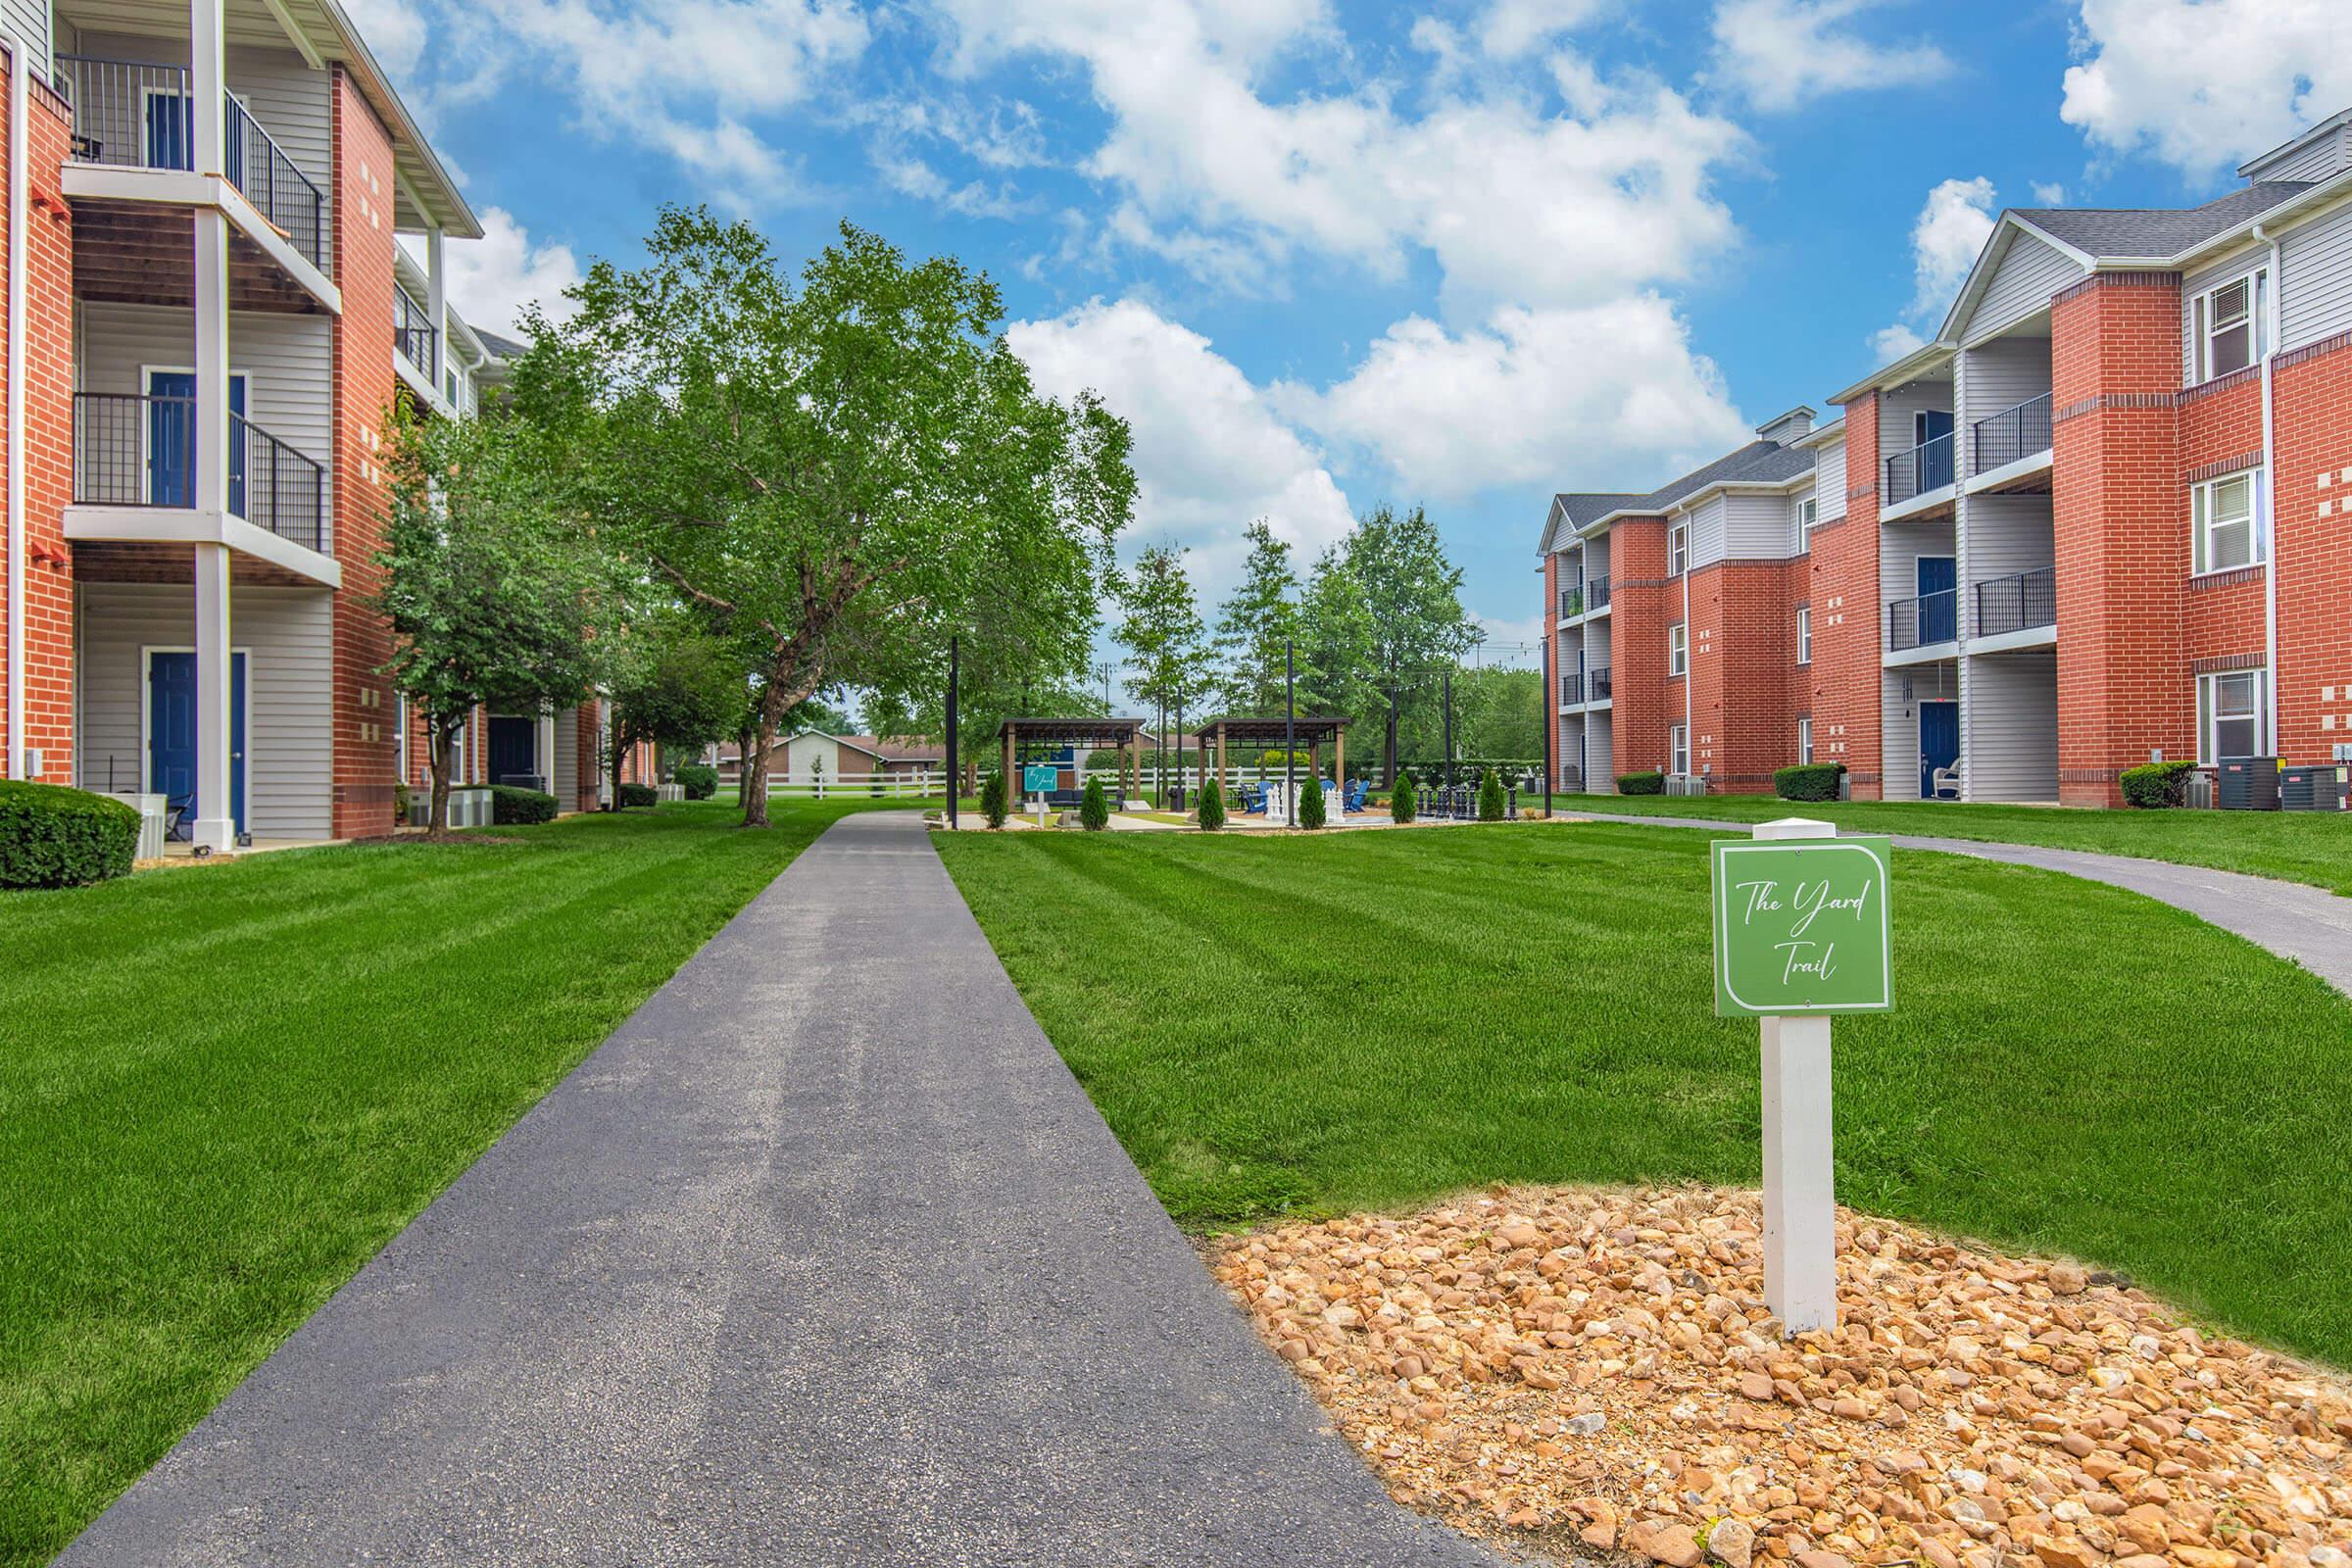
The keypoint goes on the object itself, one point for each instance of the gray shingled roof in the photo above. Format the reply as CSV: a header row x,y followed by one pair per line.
x,y
1757,462
2103,231
506,348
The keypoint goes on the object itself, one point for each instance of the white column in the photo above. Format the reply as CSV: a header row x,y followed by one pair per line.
x,y
547,750
1801,1175
436,305
216,826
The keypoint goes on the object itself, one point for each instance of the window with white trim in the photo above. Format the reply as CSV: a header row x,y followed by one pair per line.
x,y
1804,634
2226,330
1804,742
2233,718
2226,523
1677,549
1678,749
1678,649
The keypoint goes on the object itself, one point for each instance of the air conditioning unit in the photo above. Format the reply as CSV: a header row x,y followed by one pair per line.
x,y
2312,789
2249,784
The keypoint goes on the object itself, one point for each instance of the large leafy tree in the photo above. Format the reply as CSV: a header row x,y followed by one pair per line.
x,y
1160,627
675,686
1413,594
492,599
1336,641
833,473
1256,626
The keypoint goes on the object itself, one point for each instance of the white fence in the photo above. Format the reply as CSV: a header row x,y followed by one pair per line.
x,y
908,786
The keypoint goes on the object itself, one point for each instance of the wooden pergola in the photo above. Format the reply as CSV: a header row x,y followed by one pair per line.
x,y
1082,735
1262,733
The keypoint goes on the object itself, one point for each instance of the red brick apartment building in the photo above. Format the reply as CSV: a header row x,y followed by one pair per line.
x,y
207,320
2105,516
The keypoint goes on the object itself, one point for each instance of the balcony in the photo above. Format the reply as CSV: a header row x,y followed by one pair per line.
x,y
1924,621
413,335
1597,593
1921,471
1598,684
1572,690
1572,603
2022,603
132,115
137,451
2013,445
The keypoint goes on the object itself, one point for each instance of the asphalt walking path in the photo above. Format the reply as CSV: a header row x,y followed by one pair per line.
x,y
823,1257
2311,926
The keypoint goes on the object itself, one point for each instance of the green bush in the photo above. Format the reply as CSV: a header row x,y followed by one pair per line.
x,y
1212,805
637,794
1650,782
400,805
698,780
1491,803
1094,807
55,837
993,804
1401,800
1310,803
2156,786
512,807
1807,781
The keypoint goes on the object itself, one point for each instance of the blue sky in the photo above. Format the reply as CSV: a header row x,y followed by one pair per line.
x,y
1324,254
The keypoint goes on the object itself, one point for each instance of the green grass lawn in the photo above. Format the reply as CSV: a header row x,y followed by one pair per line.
x,y
2314,846
224,1089
1369,1021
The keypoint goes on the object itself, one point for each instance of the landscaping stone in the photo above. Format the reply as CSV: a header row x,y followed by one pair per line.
x,y
1532,1360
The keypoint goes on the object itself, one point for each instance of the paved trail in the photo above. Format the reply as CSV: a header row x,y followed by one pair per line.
x,y
822,1259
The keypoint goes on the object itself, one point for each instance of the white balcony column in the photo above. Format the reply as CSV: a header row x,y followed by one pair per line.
x,y
217,818
436,305
547,751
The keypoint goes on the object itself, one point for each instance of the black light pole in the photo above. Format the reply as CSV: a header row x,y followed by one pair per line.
x,y
1449,726
1290,730
955,669
1179,753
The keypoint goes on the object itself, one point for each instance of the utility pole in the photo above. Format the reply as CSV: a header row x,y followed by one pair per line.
x,y
1290,730
1449,726
1179,752
1102,673
955,778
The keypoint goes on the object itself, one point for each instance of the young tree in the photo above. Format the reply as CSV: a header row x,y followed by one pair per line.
x,y
1490,803
1212,807
673,686
491,601
1335,642
1162,632
1310,803
995,804
1094,807
836,472
1413,595
1256,625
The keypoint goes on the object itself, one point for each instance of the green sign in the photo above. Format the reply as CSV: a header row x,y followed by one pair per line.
x,y
1039,777
1802,926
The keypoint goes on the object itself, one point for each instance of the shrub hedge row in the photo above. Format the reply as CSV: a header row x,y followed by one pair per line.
x,y
512,807
637,794
2156,786
1807,781
1650,782
700,782
55,837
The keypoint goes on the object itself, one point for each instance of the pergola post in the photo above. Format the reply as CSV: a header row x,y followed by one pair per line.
x,y
1012,785
1339,761
1220,755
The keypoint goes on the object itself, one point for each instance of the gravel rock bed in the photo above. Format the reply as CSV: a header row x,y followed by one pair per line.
x,y
1585,1371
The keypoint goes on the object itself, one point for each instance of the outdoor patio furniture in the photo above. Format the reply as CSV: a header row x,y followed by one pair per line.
x,y
1945,782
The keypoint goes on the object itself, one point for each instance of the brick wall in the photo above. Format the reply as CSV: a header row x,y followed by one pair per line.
x,y
48,438
1841,686
2120,525
1643,601
1745,684
2312,424
365,754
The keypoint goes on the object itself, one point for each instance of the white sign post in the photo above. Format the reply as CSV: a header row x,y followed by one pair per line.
x,y
1800,1176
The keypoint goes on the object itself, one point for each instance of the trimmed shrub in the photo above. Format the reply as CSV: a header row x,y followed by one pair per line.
x,y
1491,803
2156,786
1807,781
1310,803
1651,782
1212,807
55,837
400,805
993,803
636,794
698,780
1094,807
1401,800
512,808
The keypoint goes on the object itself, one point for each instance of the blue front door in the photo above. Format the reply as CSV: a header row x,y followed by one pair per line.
x,y
171,440
1933,426
1938,603
171,732
171,130
1938,743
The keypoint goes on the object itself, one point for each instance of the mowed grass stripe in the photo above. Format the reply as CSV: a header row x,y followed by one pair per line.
x,y
227,1086
1315,1024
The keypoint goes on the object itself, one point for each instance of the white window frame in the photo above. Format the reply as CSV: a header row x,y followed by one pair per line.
x,y
2210,718
1678,649
1804,634
2204,326
1808,513
1678,749
1804,742
2204,499
1677,549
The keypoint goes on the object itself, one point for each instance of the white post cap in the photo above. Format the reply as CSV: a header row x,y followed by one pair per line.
x,y
1796,827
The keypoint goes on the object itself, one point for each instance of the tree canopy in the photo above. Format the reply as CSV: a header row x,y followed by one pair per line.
x,y
1256,626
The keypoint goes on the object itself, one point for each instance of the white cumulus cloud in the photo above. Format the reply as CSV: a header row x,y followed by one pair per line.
x,y
492,279
1946,239
2205,84
1781,54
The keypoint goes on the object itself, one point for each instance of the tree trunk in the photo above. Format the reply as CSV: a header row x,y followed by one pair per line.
x,y
1389,764
619,748
754,773
443,761
787,688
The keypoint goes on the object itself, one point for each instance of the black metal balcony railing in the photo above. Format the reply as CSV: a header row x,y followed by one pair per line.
x,y
1572,690
1920,622
1598,680
141,115
2014,433
1925,468
2015,602
1572,602
413,334
1597,592
132,449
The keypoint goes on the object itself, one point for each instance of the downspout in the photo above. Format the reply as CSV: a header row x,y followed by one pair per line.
x,y
1690,650
2270,489
20,90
